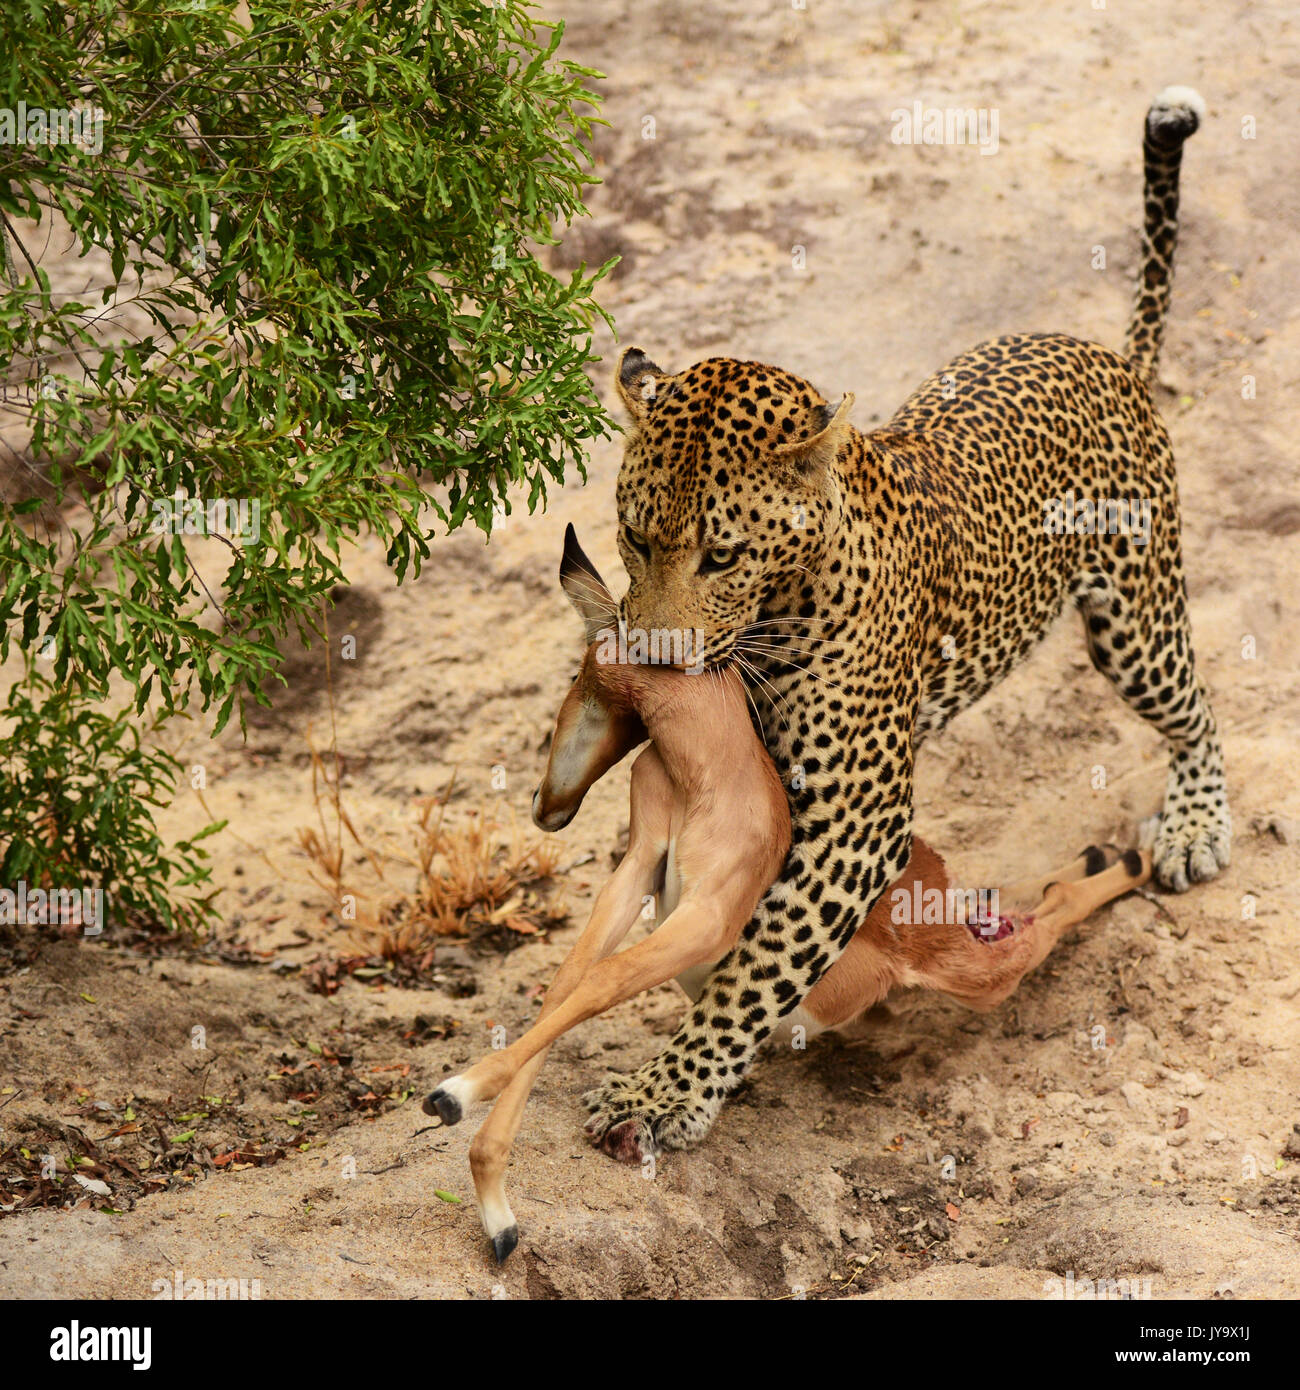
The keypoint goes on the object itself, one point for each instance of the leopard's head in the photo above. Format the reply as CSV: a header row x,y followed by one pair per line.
x,y
728,498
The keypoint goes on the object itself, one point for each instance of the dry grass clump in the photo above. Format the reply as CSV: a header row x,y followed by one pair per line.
x,y
404,893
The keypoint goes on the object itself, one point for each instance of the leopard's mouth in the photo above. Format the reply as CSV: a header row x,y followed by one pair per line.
x,y
712,661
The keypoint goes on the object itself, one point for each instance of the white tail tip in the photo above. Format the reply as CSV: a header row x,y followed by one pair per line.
x,y
1181,99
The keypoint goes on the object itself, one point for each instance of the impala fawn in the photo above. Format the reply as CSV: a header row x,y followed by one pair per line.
x,y
709,831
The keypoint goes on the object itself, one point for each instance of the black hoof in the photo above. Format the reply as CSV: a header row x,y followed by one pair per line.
x,y
504,1242
444,1105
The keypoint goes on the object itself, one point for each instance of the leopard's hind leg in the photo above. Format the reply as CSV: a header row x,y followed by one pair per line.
x,y
1134,607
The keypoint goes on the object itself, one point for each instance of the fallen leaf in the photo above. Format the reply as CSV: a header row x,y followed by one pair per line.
x,y
100,1189
954,1213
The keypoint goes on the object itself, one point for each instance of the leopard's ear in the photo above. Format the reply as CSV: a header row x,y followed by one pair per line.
x,y
637,381
820,449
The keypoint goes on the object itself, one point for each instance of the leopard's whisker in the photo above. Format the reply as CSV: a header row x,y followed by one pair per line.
x,y
773,695
804,670
772,635
771,645
791,618
758,718
784,653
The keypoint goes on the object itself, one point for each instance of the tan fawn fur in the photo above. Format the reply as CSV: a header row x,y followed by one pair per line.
x,y
709,832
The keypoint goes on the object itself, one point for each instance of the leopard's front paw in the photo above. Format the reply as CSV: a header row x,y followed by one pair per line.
x,y
1191,847
631,1121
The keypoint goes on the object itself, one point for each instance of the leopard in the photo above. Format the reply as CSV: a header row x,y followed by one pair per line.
x,y
872,586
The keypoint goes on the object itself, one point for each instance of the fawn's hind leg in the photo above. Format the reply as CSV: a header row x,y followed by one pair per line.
x,y
1020,896
1064,904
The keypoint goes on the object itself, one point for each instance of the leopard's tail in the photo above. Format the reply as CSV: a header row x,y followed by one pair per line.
x,y
1174,115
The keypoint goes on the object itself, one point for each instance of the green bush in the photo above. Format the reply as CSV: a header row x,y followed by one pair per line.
x,y
327,218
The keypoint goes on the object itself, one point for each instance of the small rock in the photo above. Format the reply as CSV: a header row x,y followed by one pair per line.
x,y
855,1229
1135,1093
1189,1084
1062,1100
1106,1139
1139,1037
980,1127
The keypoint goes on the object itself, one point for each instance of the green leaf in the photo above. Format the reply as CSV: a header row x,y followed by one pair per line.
x,y
354,334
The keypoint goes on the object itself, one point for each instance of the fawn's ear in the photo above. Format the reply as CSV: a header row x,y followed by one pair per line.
x,y
821,448
586,590
637,381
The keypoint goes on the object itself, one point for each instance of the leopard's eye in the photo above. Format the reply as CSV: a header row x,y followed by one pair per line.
x,y
721,557
637,541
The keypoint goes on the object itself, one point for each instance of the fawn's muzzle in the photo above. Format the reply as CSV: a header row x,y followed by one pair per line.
x,y
554,818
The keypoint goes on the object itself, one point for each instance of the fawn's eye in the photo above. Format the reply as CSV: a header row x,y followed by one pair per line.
x,y
638,542
720,557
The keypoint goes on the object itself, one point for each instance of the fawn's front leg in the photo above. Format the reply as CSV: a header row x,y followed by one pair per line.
x,y
695,931
617,906
852,832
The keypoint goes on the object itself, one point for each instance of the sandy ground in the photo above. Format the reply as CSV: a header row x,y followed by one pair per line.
x,y
1134,1112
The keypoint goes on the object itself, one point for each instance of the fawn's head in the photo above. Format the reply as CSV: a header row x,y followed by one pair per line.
x,y
596,725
